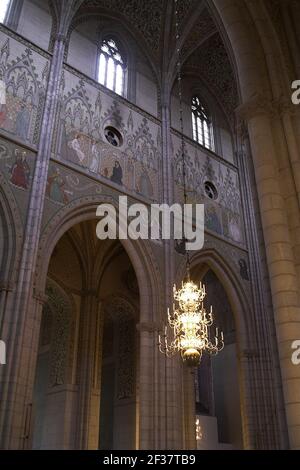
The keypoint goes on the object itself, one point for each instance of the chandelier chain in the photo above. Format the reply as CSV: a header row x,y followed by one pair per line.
x,y
179,85
188,321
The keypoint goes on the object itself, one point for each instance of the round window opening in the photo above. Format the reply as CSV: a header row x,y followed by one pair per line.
x,y
113,136
210,190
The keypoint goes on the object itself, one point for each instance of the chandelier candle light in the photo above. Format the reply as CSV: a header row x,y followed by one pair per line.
x,y
189,323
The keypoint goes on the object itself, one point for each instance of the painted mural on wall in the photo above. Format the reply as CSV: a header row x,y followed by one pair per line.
x,y
215,185
65,185
24,73
17,168
107,139
16,164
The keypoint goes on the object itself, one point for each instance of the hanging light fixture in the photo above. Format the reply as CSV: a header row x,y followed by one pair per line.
x,y
188,328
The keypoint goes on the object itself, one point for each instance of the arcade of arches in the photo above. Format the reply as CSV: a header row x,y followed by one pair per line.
x,y
92,113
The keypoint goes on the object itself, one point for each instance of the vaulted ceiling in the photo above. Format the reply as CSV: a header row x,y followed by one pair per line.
x,y
152,22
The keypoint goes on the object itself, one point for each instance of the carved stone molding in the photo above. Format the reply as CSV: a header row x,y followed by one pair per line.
x,y
260,105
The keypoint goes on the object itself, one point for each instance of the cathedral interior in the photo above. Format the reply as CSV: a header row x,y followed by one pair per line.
x,y
103,98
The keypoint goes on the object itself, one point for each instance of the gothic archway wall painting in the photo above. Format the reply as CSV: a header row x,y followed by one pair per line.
x,y
132,162
25,73
223,210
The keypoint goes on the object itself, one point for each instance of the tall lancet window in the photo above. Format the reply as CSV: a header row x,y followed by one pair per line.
x,y
202,125
112,67
4,6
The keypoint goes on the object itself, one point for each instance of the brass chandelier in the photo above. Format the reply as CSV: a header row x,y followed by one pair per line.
x,y
188,328
190,324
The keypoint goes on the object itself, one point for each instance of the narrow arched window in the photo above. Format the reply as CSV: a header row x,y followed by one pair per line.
x,y
202,125
4,6
112,67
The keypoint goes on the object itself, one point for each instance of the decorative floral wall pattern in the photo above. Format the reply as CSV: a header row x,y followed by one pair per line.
x,y
108,139
25,75
57,316
214,184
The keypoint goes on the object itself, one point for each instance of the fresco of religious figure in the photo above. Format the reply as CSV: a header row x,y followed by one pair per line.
x,y
145,185
56,187
117,173
105,172
234,229
75,145
95,160
20,172
22,123
130,174
212,221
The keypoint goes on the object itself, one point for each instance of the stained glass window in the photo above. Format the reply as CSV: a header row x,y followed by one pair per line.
x,y
111,72
202,125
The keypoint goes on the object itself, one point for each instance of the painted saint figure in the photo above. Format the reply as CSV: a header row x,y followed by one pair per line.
x,y
212,221
75,145
20,171
117,174
56,187
234,229
94,165
145,185
130,174
22,123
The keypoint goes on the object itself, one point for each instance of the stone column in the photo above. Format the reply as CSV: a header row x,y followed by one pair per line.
x,y
18,327
173,372
280,259
147,389
89,372
269,429
189,408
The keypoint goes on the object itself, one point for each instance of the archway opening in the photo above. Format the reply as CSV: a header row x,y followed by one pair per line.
x,y
218,407
85,393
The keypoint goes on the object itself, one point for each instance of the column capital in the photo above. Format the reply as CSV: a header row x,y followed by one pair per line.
x,y
256,106
60,37
260,105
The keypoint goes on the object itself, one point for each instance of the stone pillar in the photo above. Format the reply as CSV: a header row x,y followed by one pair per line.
x,y
147,422
189,408
16,379
269,429
280,259
173,373
89,372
